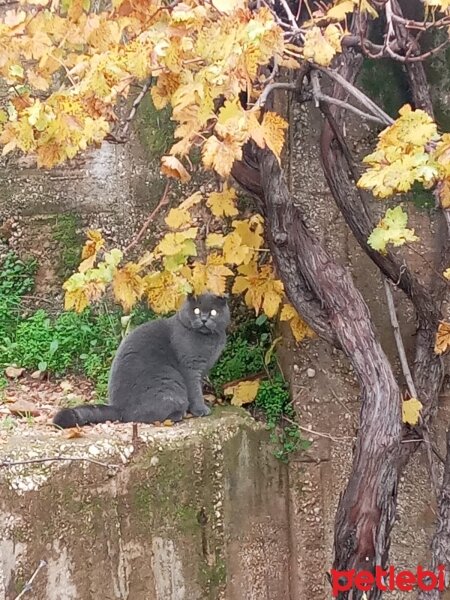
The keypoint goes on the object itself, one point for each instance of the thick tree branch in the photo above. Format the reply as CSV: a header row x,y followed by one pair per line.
x,y
367,507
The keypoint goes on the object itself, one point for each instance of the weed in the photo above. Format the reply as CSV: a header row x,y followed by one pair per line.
x,y
249,350
8,423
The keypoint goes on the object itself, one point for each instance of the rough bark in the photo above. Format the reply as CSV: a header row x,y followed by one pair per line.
x,y
299,291
367,507
440,546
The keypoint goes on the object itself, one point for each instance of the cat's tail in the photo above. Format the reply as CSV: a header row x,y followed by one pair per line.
x,y
85,415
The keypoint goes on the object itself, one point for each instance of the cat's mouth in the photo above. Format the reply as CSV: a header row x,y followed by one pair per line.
x,y
204,329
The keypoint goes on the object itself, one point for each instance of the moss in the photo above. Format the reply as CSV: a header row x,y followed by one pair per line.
x,y
66,232
155,129
422,198
167,497
19,584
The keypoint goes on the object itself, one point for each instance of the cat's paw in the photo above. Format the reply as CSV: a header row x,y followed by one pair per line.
x,y
200,411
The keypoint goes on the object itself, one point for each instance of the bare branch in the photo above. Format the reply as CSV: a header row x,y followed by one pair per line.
x,y
272,87
320,97
357,94
289,14
135,106
163,202
399,341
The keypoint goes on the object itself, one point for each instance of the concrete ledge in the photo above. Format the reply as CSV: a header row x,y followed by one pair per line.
x,y
196,511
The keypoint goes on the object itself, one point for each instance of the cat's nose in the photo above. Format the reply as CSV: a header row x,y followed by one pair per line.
x,y
204,319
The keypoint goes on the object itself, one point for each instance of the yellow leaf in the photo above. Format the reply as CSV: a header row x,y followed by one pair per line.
x,y
215,240
179,242
365,6
411,411
340,10
273,128
413,127
128,285
391,230
243,392
234,251
210,276
300,329
165,291
113,258
442,343
37,81
223,204
172,167
227,6
75,297
447,273
289,62
322,46
177,218
220,155
241,244
263,291
194,199
94,243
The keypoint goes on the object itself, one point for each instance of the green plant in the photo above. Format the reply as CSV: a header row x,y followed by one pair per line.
x,y
244,353
273,399
249,350
16,280
8,423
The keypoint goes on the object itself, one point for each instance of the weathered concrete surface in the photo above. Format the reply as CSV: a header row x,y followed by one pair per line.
x,y
197,511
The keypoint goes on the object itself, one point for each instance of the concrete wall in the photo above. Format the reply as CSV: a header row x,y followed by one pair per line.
x,y
197,511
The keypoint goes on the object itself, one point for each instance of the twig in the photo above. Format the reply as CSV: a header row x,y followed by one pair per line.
x,y
164,200
399,341
135,434
428,446
31,461
29,583
324,435
289,14
270,88
135,106
360,96
320,97
433,447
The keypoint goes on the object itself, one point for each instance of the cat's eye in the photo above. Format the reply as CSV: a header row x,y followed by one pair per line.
x,y
213,312
197,311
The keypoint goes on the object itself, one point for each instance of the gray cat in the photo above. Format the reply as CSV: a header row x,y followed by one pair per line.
x,y
157,371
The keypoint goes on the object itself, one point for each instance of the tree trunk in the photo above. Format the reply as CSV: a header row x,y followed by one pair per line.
x,y
367,508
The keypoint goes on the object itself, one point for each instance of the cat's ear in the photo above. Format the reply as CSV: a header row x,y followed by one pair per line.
x,y
191,296
223,299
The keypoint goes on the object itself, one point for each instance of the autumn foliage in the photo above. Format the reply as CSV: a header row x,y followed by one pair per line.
x,y
67,66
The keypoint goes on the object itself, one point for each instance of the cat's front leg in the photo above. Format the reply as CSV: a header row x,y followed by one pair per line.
x,y
197,406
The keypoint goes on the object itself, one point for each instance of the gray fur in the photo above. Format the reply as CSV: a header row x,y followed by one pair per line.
x,y
158,369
